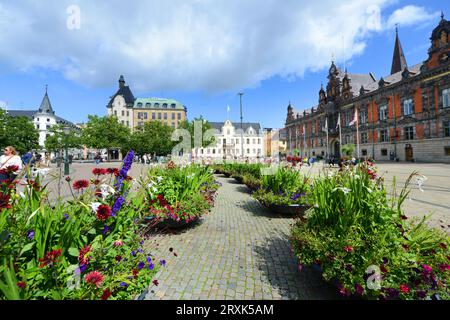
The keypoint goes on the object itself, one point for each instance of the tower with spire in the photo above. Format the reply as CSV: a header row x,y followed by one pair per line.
x,y
398,59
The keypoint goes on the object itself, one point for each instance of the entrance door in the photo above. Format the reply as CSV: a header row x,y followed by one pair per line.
x,y
408,153
336,149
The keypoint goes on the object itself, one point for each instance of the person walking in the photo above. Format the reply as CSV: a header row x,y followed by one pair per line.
x,y
9,159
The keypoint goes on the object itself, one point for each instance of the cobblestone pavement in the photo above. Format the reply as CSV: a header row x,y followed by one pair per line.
x,y
238,251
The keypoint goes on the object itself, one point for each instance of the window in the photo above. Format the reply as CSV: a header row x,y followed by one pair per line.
x,y
248,141
173,116
409,133
164,105
159,116
128,113
115,113
447,129
173,105
123,114
447,151
201,151
362,116
48,120
153,116
123,122
384,152
237,140
364,152
248,151
259,141
446,98
37,126
408,107
347,139
165,116
148,105
128,123
179,116
384,137
139,105
145,115
382,112
364,137
156,105
348,115
254,141
228,131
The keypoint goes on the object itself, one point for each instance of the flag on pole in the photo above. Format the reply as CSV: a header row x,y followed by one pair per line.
x,y
355,119
338,124
228,108
325,129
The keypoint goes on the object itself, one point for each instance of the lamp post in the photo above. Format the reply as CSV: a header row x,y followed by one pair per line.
x,y
66,156
242,130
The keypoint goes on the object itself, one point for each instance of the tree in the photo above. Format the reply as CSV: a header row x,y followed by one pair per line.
x,y
206,139
348,149
105,133
152,137
58,140
18,132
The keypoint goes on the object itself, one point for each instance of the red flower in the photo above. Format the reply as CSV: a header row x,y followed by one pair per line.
x,y
383,269
359,289
103,212
80,184
444,267
155,282
98,193
10,169
106,294
68,179
129,178
443,245
348,248
99,171
96,182
289,158
114,171
82,259
4,201
135,273
50,258
404,288
21,285
95,278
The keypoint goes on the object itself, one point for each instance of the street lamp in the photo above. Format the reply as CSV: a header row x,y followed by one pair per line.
x,y
242,131
66,156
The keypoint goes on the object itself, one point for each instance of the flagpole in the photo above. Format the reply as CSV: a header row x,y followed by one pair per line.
x,y
357,132
340,136
326,127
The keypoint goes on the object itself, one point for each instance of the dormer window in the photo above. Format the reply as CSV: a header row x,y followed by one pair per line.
x,y
148,105
139,105
173,105
156,105
164,105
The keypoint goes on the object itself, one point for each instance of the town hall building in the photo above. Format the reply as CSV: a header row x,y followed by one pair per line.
x,y
404,115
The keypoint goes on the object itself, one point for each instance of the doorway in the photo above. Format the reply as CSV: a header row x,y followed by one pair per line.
x,y
409,153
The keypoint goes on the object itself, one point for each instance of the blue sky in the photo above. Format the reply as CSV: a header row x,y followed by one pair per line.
x,y
272,61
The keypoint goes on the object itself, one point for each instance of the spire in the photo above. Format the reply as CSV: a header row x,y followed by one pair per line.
x,y
46,106
398,59
121,81
442,15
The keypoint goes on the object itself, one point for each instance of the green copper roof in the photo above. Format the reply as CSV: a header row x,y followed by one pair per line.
x,y
157,103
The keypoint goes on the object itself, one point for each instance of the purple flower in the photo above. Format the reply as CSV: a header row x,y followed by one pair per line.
x,y
141,242
117,205
105,229
385,260
141,265
421,294
66,216
123,284
163,263
359,289
140,250
82,267
349,268
133,253
151,266
127,162
149,259
31,235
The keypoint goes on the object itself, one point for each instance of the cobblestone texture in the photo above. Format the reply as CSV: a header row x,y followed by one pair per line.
x,y
238,251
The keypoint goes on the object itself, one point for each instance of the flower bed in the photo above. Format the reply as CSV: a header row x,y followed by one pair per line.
x,y
179,193
363,242
85,248
285,187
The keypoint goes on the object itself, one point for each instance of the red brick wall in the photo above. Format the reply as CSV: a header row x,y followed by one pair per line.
x,y
418,101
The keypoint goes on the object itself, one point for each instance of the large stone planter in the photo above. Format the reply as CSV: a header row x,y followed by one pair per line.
x,y
293,209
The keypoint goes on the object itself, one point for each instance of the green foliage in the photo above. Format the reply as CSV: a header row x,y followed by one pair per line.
x,y
152,137
353,226
58,140
105,133
206,140
18,132
348,149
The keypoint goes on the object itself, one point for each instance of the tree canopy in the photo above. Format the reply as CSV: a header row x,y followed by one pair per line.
x,y
18,132
58,140
152,137
194,127
105,133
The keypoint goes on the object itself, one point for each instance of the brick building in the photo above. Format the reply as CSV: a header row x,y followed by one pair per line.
x,y
404,115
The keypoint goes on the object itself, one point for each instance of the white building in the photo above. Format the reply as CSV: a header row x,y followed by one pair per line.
x,y
229,141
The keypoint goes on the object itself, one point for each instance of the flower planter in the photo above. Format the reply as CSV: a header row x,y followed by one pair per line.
x,y
239,179
293,209
172,224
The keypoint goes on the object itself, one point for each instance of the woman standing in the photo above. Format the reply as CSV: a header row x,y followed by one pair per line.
x,y
9,159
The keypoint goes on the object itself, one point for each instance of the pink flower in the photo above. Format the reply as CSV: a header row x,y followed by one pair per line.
x,y
427,269
444,267
95,278
404,288
359,289
118,243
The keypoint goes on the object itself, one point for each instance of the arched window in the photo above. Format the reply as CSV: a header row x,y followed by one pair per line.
x,y
164,105
148,105
139,105
173,105
156,105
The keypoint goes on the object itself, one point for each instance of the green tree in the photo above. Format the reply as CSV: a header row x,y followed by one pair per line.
x,y
152,137
348,149
58,140
206,139
18,132
105,133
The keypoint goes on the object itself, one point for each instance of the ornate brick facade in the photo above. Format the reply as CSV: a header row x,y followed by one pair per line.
x,y
405,115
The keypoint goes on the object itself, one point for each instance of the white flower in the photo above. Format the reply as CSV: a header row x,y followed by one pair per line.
x,y
357,176
22,195
316,205
95,205
420,181
159,178
40,172
345,190
191,176
106,190
369,190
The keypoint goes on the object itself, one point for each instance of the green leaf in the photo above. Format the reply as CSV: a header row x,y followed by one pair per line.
x,y
74,252
27,248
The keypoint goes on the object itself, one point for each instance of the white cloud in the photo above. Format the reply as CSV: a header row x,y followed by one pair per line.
x,y
188,45
2,105
410,15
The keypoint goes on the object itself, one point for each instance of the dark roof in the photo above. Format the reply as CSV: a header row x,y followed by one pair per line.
x,y
398,59
125,92
358,80
46,106
237,125
21,113
443,25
